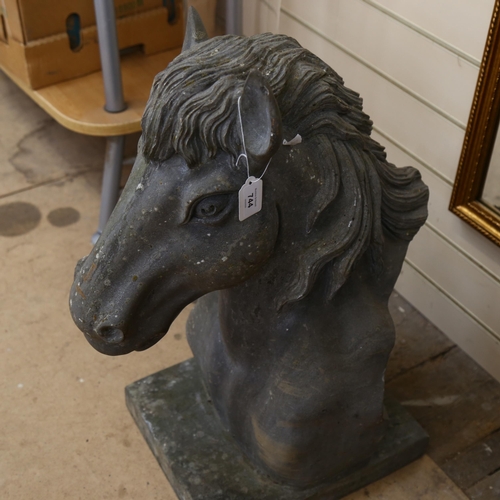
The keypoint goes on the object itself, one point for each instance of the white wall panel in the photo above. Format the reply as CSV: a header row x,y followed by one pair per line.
x,y
430,136
451,319
463,23
261,16
484,253
452,271
416,62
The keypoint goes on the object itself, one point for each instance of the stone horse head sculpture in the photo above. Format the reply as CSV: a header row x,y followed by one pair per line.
x,y
291,328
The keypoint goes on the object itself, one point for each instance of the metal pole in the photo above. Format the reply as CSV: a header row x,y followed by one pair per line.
x,y
113,92
110,56
110,181
234,17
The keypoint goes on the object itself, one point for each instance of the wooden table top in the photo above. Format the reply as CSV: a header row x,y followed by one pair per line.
x,y
79,104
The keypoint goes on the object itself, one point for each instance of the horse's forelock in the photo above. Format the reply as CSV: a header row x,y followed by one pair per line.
x,y
202,85
192,107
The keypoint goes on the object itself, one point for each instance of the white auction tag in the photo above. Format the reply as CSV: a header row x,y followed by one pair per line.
x,y
250,198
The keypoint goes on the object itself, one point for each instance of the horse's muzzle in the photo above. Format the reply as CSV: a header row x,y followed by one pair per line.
x,y
78,266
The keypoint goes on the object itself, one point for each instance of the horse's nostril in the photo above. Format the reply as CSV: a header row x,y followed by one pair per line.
x,y
110,334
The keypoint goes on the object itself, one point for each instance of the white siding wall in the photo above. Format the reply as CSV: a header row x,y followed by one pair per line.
x,y
416,64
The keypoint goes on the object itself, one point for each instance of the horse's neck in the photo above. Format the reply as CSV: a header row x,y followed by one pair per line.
x,y
254,331
251,326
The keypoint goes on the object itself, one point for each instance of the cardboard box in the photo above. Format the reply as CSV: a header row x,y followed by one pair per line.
x,y
51,60
29,20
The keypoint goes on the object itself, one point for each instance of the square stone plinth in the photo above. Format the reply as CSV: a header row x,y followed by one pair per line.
x,y
202,462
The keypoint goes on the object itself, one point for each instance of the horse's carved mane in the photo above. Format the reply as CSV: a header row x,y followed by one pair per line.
x,y
192,112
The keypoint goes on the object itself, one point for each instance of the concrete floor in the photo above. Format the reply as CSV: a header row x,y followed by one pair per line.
x,y
65,430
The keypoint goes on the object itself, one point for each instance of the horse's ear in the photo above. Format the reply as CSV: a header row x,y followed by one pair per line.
x,y
195,30
261,121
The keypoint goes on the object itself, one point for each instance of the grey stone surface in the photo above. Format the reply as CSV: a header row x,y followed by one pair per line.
x,y
202,461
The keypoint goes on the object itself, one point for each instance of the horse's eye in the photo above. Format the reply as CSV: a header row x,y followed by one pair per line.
x,y
211,206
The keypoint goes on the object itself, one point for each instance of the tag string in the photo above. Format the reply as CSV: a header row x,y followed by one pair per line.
x,y
244,154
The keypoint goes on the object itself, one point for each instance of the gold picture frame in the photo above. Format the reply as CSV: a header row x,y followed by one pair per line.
x,y
479,141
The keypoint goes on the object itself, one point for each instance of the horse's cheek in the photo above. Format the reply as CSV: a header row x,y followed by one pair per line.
x,y
262,240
